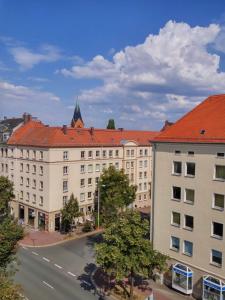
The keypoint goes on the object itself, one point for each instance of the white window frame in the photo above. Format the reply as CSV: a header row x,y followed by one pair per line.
x,y
219,237
213,202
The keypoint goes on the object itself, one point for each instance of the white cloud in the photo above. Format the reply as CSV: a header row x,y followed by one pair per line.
x,y
163,77
16,99
27,58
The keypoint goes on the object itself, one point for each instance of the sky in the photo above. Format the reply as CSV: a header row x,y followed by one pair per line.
x,y
140,62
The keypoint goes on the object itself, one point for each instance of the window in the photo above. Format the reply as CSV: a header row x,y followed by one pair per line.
x,y
132,177
189,196
65,198
176,193
21,167
103,166
27,182
89,195
12,165
65,155
34,184
41,201
191,153
97,167
96,180
128,165
21,153
34,154
175,220
104,153
6,168
132,152
139,198
141,152
140,175
34,169
220,172
65,186
41,170
140,164
218,201
82,168
117,165
89,154
41,185
65,170
145,186
175,243
177,167
21,194
140,186
28,154
146,152
89,181
145,163
82,197
132,164
28,196
145,174
41,155
82,182
177,152
188,248
82,154
220,154
110,153
190,169
217,230
117,153
27,168
128,152
188,222
90,168
145,197
216,257
97,153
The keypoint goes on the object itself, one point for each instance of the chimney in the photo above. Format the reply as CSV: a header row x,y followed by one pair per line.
x,y
120,129
26,117
64,129
92,130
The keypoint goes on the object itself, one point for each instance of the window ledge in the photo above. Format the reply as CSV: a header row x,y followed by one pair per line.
x,y
177,200
217,237
189,176
175,225
187,254
188,228
176,174
216,264
189,202
218,208
219,179
174,249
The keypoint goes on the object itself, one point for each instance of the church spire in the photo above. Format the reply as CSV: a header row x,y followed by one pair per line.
x,y
77,121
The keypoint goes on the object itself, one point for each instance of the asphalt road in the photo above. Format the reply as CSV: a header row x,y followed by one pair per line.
x,y
59,272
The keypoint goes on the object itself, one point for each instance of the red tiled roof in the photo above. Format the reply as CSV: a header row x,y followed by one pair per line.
x,y
37,134
204,124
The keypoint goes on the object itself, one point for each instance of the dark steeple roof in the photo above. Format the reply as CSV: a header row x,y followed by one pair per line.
x,y
76,116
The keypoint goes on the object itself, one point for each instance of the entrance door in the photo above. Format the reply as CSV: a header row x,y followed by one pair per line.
x,y
57,222
41,221
21,213
31,216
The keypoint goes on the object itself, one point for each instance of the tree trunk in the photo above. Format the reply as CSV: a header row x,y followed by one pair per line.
x,y
131,285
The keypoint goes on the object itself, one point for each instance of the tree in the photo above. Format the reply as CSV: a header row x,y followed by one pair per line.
x,y
111,124
6,195
125,251
115,193
69,212
8,290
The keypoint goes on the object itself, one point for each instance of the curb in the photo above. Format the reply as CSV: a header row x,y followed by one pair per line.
x,y
62,241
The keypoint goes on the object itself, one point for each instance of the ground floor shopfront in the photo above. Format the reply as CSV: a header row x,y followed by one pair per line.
x,y
199,284
40,219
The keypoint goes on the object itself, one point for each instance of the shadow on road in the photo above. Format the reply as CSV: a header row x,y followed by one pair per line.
x,y
85,278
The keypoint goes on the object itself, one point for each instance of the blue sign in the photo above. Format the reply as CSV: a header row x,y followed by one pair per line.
x,y
214,285
182,272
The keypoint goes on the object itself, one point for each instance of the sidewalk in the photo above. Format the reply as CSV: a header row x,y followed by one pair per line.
x,y
36,238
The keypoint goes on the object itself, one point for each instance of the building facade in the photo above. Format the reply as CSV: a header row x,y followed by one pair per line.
x,y
188,214
48,164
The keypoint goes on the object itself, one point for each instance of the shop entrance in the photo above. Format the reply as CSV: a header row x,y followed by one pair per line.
x,y
21,214
31,216
57,222
41,221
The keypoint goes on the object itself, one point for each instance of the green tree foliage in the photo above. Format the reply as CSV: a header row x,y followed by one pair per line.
x,y
111,124
69,212
125,251
8,290
115,193
6,195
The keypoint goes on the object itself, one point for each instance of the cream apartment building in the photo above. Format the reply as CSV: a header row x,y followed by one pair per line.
x,y
188,215
48,164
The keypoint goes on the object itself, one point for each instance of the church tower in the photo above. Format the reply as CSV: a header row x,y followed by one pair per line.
x,y
77,121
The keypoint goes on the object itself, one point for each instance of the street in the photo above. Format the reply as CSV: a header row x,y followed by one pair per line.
x,y
59,272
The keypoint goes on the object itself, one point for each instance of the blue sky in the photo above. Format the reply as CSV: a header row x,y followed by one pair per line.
x,y
139,62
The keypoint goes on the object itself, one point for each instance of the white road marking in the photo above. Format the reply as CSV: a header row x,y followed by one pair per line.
x,y
51,287
35,253
57,266
46,259
71,274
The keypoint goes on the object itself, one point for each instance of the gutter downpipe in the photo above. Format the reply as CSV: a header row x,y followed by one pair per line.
x,y
151,229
